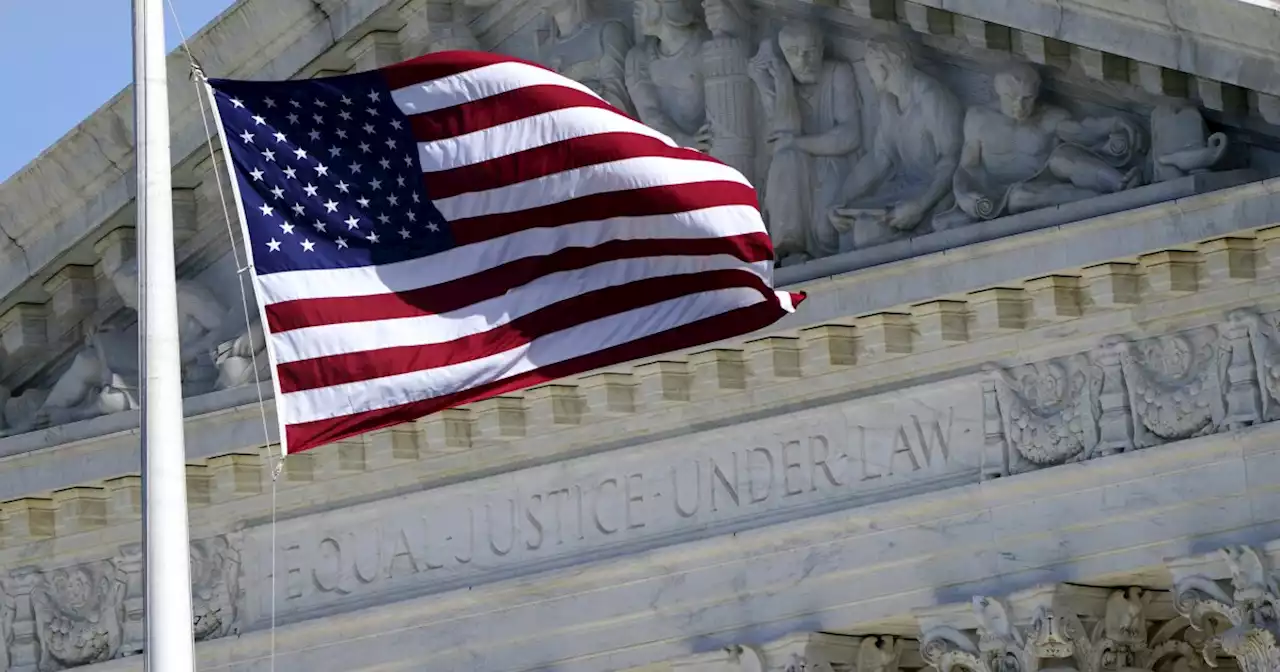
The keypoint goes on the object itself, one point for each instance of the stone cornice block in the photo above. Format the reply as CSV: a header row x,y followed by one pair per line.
x,y
393,445
73,294
1171,271
1162,81
299,468
499,418
716,372
941,323
199,485
1229,260
126,498
885,334
554,406
1101,65
661,383
29,518
24,329
883,10
236,475
998,310
116,246
1112,285
1226,98
448,431
185,222
79,509
774,358
984,34
827,347
928,20
1042,50
1054,298
375,49
607,394
1268,248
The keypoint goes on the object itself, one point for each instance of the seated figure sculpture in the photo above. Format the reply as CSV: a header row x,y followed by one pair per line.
x,y
664,71
587,50
1027,155
812,106
906,177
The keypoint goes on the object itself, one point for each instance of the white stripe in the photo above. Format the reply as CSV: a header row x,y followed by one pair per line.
x,y
577,341
633,173
527,133
472,85
335,339
460,262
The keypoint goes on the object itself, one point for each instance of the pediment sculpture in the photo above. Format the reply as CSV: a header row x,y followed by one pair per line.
x,y
589,50
664,73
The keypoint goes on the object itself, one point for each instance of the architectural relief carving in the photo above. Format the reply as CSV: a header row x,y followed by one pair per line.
x,y
1242,619
1050,409
664,72
215,591
8,614
79,615
812,106
1181,144
804,652
905,177
729,88
591,51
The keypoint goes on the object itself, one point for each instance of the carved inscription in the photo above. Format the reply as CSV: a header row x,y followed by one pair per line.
x,y
663,492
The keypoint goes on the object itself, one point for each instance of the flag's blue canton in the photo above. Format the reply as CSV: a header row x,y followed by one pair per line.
x,y
328,173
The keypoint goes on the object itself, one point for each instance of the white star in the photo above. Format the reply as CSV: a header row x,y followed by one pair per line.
x,y
384,163
393,199
364,202
292,117
352,222
300,153
342,186
266,210
368,128
274,245
408,160
433,226
372,112
346,116
237,102
354,168
341,133
364,147
287,228
346,100
341,242
331,205
307,245
404,233
279,137
335,151
268,102
297,208
258,121
291,173
319,119
373,96
257,174
320,103
247,137
320,226
311,189
413,216
391,143
375,184
322,169
269,155
395,123
314,135
399,180
415,196
296,104
373,237
277,192
384,218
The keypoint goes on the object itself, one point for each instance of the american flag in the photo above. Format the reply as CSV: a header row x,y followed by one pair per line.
x,y
466,224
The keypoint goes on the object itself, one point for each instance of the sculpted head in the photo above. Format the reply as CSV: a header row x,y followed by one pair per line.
x,y
727,17
654,15
1018,86
801,45
888,63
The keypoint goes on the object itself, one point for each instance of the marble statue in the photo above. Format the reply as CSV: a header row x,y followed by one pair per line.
x,y
1028,155
1180,143
664,71
727,82
589,51
812,106
236,359
905,177
102,379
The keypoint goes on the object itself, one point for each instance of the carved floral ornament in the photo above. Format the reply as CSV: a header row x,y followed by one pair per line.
x,y
1241,617
1131,394
90,613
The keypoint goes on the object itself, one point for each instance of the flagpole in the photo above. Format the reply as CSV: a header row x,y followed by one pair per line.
x,y
169,643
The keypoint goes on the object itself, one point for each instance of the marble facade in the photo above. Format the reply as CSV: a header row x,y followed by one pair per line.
x,y
1027,419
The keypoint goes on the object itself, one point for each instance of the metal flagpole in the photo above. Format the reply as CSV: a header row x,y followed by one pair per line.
x,y
169,643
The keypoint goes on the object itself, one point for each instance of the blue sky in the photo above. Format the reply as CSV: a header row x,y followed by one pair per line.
x,y
63,60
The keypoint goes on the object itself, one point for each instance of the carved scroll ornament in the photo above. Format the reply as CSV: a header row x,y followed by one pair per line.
x,y
1242,619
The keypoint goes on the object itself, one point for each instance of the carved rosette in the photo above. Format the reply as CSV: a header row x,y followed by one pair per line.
x,y
1050,409
215,577
79,615
1174,386
1242,620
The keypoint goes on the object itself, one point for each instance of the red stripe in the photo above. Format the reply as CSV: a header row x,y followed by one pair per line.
x,y
307,435
549,159
496,281
309,374
503,108
443,64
